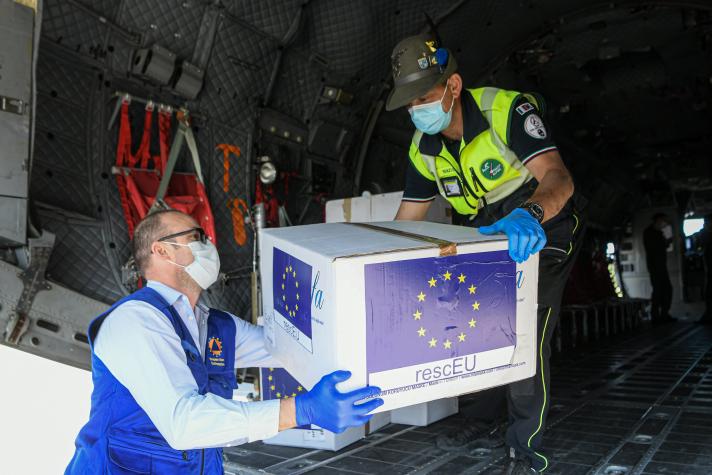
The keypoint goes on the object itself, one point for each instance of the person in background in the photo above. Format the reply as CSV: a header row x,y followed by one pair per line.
x,y
656,239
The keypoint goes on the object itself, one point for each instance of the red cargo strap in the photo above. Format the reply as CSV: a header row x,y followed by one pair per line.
x,y
124,157
164,135
138,187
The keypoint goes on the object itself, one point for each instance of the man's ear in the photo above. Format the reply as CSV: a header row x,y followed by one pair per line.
x,y
160,250
455,85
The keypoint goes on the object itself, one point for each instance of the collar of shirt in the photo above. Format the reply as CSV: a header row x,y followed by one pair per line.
x,y
172,295
473,124
193,320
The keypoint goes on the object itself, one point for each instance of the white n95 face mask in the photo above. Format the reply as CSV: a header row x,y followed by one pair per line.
x,y
205,268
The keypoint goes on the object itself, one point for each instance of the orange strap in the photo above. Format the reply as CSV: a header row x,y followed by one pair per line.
x,y
226,150
238,220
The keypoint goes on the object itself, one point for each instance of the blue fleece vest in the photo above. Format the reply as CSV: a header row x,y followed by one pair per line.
x,y
120,437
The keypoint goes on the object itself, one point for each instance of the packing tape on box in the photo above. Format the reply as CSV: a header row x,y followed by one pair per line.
x,y
447,248
347,209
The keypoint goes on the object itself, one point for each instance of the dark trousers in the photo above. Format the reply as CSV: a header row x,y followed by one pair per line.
x,y
528,400
661,299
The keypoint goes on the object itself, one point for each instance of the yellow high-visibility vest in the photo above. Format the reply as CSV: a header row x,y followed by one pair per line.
x,y
488,170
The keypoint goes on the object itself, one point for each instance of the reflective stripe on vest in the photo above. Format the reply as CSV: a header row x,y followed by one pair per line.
x,y
488,170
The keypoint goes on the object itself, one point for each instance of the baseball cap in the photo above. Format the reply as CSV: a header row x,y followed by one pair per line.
x,y
418,63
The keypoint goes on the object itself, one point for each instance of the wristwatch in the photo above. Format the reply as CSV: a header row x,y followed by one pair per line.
x,y
535,210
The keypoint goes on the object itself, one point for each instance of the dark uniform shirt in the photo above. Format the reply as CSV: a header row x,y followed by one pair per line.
x,y
655,246
525,145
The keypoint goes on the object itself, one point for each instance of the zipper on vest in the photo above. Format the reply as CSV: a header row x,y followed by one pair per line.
x,y
477,180
484,200
202,461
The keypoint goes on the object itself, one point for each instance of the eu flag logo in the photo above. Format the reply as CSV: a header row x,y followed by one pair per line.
x,y
277,383
425,310
291,281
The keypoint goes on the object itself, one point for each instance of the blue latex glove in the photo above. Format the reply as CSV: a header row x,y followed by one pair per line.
x,y
526,236
333,410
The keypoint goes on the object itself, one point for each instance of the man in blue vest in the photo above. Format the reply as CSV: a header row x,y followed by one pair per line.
x,y
489,153
163,367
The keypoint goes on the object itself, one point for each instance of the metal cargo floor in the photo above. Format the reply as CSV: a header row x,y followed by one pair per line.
x,y
642,404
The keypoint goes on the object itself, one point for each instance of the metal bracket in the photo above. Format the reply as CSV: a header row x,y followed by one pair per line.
x,y
156,64
123,97
33,280
14,106
189,81
335,94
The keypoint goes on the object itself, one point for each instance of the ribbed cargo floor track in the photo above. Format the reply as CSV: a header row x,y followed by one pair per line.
x,y
641,404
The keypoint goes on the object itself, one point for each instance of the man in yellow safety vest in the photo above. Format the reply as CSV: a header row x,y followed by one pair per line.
x,y
488,152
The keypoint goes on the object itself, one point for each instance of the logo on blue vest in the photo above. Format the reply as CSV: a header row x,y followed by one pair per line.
x,y
215,346
216,349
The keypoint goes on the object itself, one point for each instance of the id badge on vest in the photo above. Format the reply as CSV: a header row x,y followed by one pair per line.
x,y
451,186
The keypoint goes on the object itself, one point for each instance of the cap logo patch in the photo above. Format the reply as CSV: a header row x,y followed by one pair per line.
x,y
431,45
396,64
423,63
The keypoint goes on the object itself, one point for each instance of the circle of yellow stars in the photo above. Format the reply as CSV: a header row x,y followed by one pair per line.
x,y
418,314
289,271
279,395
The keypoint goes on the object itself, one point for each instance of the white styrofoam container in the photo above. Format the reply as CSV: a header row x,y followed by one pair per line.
x,y
381,207
311,437
378,421
366,300
317,438
426,413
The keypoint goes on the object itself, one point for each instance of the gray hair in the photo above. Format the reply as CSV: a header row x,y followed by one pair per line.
x,y
146,233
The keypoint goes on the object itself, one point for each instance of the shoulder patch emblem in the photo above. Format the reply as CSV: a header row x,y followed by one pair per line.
x,y
524,108
534,126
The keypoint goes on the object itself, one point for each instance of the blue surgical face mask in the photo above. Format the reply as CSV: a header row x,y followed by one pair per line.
x,y
430,118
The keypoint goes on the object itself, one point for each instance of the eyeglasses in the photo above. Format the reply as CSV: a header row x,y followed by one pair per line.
x,y
198,234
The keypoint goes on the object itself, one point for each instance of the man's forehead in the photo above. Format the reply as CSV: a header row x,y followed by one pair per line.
x,y
435,90
438,88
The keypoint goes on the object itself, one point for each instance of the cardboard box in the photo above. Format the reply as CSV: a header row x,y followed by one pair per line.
x,y
276,383
426,413
422,310
381,207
